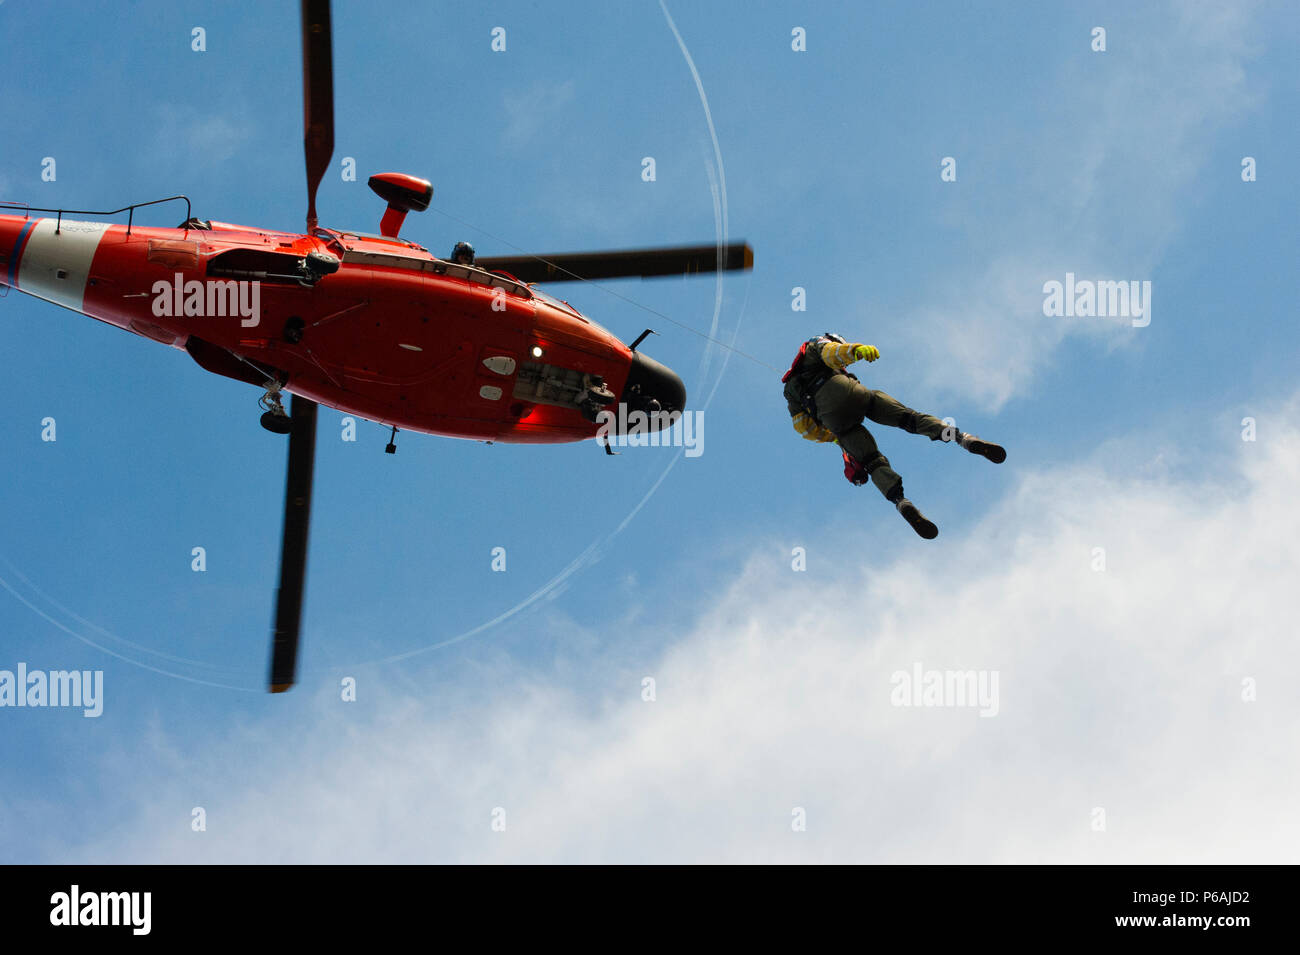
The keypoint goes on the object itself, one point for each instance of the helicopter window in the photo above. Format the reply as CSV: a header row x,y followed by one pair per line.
x,y
393,240
558,303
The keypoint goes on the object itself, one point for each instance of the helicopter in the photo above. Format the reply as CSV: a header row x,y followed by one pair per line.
x,y
371,325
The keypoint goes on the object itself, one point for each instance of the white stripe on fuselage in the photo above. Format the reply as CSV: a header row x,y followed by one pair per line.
x,y
55,267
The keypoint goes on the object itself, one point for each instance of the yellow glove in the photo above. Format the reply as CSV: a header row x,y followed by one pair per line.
x,y
869,352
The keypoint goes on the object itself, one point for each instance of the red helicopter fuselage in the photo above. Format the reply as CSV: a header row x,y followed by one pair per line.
x,y
374,326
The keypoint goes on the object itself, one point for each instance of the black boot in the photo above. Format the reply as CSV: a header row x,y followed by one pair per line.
x,y
994,452
912,514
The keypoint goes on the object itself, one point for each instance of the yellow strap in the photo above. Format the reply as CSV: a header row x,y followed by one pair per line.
x,y
810,429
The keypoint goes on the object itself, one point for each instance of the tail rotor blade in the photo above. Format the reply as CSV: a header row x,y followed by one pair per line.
x,y
293,543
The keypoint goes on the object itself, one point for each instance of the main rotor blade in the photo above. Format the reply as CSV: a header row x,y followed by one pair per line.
x,y
317,97
293,543
646,263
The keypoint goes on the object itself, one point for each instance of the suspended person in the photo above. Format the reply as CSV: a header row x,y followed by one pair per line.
x,y
828,403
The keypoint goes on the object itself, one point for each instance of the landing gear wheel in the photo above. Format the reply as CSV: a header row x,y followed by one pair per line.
x,y
274,418
595,397
277,423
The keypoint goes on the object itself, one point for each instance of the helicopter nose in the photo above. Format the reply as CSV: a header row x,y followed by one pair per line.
x,y
652,386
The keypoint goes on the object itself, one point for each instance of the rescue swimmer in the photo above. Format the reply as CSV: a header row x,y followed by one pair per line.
x,y
829,403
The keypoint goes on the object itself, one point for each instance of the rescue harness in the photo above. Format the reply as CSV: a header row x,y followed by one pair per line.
x,y
809,381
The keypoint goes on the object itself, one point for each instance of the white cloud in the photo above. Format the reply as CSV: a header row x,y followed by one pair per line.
x,y
529,112
1119,689
203,139
1106,167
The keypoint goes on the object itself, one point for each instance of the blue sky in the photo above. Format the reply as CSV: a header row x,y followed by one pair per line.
x,y
1118,165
